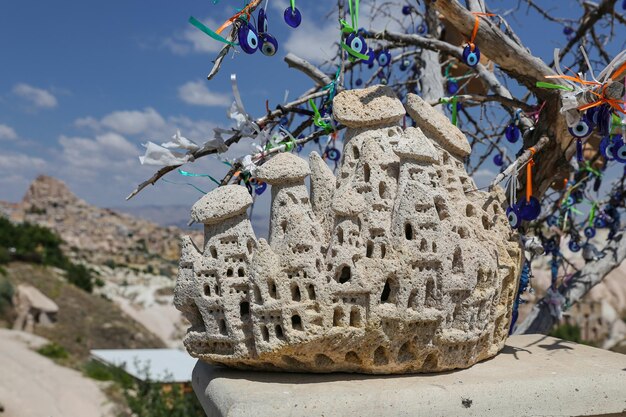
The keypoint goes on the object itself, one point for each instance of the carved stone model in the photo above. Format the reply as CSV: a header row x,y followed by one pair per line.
x,y
397,265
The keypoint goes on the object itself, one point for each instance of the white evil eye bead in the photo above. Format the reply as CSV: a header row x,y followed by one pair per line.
x,y
356,43
292,17
262,21
580,130
383,58
248,39
512,214
619,151
471,57
269,44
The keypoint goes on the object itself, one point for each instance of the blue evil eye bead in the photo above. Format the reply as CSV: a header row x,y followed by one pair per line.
x,y
421,28
604,119
299,148
591,117
590,232
383,58
452,87
581,129
406,10
497,160
371,56
459,106
356,43
570,201
260,188
333,154
283,120
471,58
624,4
619,151
599,222
262,21
405,64
358,82
568,30
606,148
530,209
579,150
269,44
552,220
513,216
574,246
248,38
512,133
292,17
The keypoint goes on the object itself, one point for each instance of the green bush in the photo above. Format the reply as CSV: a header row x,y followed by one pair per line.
x,y
570,332
101,372
53,351
6,293
80,276
36,244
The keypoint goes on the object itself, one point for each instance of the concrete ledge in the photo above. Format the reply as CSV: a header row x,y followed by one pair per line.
x,y
534,375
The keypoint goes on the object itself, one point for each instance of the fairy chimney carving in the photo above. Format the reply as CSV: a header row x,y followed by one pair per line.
x,y
397,265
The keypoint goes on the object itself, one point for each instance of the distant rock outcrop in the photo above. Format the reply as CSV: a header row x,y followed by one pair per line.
x,y
93,234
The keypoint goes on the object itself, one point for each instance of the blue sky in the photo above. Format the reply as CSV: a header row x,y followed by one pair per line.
x,y
84,83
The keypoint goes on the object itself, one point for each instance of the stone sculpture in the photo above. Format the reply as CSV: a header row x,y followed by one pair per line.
x,y
397,265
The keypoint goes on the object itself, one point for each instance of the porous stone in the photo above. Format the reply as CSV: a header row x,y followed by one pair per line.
x,y
398,265
220,204
373,106
437,126
283,168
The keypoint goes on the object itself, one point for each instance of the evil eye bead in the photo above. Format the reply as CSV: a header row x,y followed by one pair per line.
x,y
356,43
552,221
580,130
471,58
406,10
358,82
421,28
371,56
619,151
260,188
405,64
269,44
574,246
497,160
383,58
333,154
452,87
606,148
262,21
512,133
568,30
513,216
599,222
590,232
292,17
248,38
530,209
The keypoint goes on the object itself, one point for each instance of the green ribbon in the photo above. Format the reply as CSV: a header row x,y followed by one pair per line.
x,y
543,84
317,118
353,53
209,32
191,174
354,16
592,214
453,100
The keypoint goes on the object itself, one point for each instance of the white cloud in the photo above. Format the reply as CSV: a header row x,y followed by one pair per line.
x,y
197,94
7,133
19,162
129,122
192,39
38,97
312,42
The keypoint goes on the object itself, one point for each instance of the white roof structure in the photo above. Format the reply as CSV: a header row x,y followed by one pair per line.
x,y
158,365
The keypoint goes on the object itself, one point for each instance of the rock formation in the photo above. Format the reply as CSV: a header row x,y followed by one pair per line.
x,y
398,265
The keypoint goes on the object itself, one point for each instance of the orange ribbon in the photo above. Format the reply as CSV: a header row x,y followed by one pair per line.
x,y
475,30
246,10
529,174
